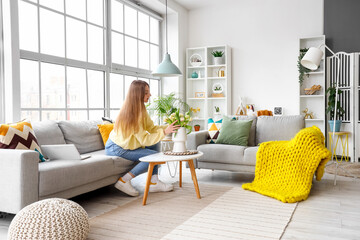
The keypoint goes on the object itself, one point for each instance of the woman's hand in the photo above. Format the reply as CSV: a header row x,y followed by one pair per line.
x,y
171,128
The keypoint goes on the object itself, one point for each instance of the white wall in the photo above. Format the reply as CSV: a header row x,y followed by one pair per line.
x,y
264,37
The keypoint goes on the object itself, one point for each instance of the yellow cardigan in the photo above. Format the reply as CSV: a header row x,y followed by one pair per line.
x,y
144,137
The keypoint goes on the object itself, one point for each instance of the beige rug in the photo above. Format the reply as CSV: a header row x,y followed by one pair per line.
x,y
352,169
222,213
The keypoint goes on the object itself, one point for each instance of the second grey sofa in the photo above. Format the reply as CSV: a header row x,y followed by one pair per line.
x,y
243,158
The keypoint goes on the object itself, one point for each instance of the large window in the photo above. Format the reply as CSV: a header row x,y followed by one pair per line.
x,y
77,62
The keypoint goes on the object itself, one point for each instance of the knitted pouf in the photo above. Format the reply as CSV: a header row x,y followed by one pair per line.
x,y
53,218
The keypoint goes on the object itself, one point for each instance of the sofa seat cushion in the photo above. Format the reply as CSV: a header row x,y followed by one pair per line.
x,y
222,153
60,175
84,135
250,156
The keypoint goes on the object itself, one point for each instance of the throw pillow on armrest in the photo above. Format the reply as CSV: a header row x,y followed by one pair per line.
x,y
105,130
234,132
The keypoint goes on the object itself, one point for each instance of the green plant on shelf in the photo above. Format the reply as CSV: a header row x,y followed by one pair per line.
x,y
217,53
217,109
217,88
302,70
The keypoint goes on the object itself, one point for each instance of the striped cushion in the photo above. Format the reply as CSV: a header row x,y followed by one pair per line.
x,y
19,136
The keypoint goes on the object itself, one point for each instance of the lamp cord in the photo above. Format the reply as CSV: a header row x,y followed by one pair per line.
x,y
166,27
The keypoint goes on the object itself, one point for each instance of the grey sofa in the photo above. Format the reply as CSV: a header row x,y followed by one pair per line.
x,y
23,180
243,158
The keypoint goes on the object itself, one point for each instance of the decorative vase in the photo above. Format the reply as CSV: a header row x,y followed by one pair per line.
x,y
194,75
179,140
218,60
337,125
217,116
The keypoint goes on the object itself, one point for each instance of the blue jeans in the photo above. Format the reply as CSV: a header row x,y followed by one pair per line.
x,y
112,149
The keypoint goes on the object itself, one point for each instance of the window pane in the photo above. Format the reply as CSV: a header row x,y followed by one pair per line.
x,y
130,52
33,116
76,88
154,30
52,86
76,39
53,115
96,89
116,90
154,57
29,84
95,44
54,4
76,8
144,52
128,81
114,114
28,27
143,26
52,33
117,50
96,114
154,89
77,115
117,12
130,21
95,11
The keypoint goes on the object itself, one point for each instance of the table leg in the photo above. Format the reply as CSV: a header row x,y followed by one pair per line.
x,y
148,179
193,175
180,174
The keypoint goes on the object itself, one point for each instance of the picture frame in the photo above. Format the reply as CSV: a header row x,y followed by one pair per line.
x,y
278,111
199,94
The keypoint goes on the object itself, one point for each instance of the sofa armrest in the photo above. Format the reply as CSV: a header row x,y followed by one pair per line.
x,y
19,179
195,139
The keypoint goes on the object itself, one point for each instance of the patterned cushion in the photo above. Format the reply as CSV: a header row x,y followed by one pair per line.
x,y
19,136
213,129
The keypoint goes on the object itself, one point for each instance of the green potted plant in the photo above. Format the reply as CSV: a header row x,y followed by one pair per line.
x,y
217,57
331,108
217,114
197,127
302,70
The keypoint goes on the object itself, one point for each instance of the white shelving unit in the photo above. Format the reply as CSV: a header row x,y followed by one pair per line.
x,y
314,103
208,76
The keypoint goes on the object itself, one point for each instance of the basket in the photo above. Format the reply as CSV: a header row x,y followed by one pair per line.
x,y
312,90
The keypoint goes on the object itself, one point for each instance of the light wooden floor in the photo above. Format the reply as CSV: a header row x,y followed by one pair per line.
x,y
330,212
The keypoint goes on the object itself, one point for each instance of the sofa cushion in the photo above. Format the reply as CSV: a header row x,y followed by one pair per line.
x,y
234,132
252,135
222,153
213,129
48,133
250,156
278,128
105,130
84,135
60,175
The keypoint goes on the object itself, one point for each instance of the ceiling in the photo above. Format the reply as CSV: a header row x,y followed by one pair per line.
x,y
193,4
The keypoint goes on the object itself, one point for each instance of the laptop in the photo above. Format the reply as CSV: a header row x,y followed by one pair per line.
x,y
62,151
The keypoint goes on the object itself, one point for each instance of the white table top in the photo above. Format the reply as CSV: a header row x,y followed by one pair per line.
x,y
161,157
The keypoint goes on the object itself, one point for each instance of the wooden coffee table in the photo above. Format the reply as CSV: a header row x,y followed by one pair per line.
x,y
161,158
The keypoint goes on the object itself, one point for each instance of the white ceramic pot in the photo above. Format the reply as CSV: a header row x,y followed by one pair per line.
x,y
218,60
179,140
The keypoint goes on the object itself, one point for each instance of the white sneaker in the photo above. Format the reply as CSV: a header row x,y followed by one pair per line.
x,y
127,188
160,187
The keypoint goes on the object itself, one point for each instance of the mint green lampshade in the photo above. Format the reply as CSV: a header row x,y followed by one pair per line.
x,y
166,68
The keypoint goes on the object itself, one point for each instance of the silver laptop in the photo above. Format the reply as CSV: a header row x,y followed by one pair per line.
x,y
62,151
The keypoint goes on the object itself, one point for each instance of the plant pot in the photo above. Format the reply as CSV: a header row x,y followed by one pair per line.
x,y
179,139
218,60
217,116
197,128
337,125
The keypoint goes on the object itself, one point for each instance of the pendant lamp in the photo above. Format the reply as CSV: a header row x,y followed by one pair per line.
x,y
166,68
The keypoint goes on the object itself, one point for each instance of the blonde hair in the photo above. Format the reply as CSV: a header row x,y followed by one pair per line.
x,y
132,110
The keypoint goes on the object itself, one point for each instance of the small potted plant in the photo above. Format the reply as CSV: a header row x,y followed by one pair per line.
x,y
197,127
331,108
217,114
218,57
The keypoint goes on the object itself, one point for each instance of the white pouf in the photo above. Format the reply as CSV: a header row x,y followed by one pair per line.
x,y
53,218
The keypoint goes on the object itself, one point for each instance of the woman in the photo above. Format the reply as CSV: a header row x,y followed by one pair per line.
x,y
133,137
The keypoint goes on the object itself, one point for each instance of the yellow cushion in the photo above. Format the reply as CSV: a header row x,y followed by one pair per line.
x,y
105,130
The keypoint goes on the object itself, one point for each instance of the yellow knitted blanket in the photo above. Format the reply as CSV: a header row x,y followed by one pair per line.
x,y
285,169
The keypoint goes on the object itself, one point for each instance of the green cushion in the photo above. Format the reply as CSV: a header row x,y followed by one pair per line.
x,y
234,132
